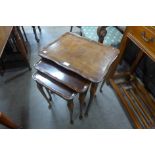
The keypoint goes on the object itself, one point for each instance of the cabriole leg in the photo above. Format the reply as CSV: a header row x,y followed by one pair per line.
x,y
70,108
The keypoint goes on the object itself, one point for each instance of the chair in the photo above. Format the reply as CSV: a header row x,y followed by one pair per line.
x,y
107,35
54,87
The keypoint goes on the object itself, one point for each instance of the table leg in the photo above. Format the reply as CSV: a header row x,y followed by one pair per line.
x,y
2,66
40,87
82,103
7,122
22,38
49,93
92,95
70,108
21,46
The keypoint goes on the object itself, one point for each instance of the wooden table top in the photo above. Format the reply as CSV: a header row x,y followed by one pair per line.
x,y
4,36
62,75
87,58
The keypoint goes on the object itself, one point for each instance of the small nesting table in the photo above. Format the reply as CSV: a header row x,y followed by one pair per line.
x,y
52,86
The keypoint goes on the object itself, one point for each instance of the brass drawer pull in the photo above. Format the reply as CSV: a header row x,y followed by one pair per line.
x,y
143,34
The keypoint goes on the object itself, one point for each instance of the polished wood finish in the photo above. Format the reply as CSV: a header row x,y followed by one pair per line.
x,y
101,32
139,112
62,75
146,97
41,89
136,99
68,78
5,32
89,59
143,37
70,105
125,103
135,34
93,90
14,37
56,88
82,103
5,120
136,62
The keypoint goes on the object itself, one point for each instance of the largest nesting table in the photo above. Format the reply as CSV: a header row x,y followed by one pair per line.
x,y
87,58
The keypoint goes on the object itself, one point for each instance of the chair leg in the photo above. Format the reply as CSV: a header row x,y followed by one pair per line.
x,y
24,34
39,29
40,87
102,85
71,28
70,108
35,33
80,30
7,121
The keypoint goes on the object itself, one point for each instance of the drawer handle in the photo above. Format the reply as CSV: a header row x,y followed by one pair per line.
x,y
143,34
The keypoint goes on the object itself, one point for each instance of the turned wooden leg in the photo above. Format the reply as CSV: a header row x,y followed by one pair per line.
x,y
92,95
49,93
70,108
35,33
102,85
39,29
82,103
7,121
71,29
24,33
40,87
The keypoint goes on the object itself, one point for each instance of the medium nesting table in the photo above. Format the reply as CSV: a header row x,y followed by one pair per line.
x,y
62,82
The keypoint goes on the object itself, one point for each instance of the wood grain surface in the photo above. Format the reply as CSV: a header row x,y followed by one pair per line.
x,y
4,36
87,58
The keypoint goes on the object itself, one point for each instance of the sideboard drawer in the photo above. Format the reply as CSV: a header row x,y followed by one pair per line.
x,y
144,36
